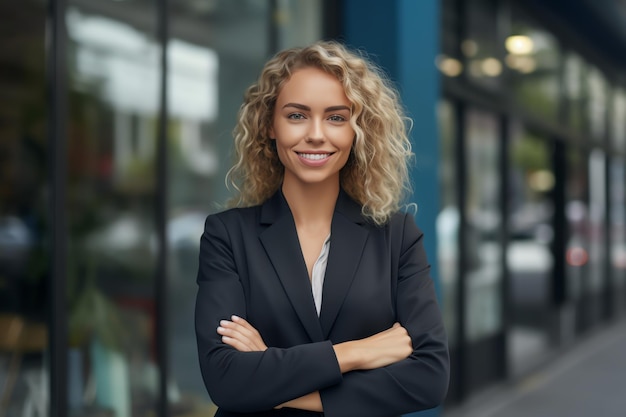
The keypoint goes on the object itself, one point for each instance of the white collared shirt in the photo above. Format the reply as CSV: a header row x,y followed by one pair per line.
x,y
318,274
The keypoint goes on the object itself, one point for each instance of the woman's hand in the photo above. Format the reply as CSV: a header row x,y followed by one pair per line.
x,y
382,349
240,334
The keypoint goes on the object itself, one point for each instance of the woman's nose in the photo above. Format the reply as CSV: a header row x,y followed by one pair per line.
x,y
316,132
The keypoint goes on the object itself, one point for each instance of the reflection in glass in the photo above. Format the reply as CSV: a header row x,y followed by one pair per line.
x,y
448,219
24,220
529,259
578,241
113,106
617,235
573,91
193,161
588,251
481,48
448,62
484,225
215,53
298,23
597,104
618,118
533,65
597,209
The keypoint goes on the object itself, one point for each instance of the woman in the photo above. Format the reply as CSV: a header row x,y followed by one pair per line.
x,y
314,293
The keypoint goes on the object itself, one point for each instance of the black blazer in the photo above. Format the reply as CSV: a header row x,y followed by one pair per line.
x,y
251,265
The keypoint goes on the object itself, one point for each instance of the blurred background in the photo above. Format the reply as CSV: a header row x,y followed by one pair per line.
x,y
115,136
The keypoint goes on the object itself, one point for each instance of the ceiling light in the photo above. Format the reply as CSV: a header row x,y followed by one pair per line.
x,y
519,45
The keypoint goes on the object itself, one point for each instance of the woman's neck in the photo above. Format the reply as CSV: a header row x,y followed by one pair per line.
x,y
312,205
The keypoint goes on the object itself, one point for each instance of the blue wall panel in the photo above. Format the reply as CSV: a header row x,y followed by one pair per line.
x,y
402,36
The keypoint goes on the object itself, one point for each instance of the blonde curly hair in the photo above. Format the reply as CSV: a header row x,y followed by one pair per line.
x,y
376,174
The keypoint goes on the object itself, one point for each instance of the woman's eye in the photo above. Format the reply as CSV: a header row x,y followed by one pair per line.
x,y
296,116
337,118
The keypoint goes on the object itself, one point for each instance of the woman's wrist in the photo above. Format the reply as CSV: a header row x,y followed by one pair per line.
x,y
376,351
348,356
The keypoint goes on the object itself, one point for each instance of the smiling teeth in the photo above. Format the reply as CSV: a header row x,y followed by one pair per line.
x,y
314,156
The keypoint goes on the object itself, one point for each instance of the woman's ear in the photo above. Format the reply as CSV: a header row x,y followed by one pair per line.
x,y
271,134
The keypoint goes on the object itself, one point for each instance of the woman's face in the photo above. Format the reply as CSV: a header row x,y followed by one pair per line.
x,y
311,126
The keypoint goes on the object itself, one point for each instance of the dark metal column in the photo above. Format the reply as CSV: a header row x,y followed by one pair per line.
x,y
503,22
332,18
505,292
462,388
56,86
273,30
558,287
561,233
608,301
460,108
161,214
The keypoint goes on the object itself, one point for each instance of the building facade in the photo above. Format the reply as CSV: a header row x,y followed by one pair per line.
x,y
115,136
532,122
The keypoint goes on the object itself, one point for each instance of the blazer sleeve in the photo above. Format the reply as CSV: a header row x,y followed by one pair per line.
x,y
247,381
420,381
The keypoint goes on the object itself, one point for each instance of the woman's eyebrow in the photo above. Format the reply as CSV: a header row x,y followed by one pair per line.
x,y
297,106
337,108
307,108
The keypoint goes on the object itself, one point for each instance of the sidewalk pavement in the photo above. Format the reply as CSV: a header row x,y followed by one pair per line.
x,y
588,380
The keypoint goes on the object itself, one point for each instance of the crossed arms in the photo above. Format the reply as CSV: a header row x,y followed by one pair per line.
x,y
377,351
398,370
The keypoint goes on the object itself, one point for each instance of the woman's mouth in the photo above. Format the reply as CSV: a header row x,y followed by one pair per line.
x,y
314,156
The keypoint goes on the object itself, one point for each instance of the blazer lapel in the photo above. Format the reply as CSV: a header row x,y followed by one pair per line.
x,y
347,240
282,246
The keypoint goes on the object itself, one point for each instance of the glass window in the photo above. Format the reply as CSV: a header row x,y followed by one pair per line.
x,y
578,240
449,62
586,251
448,219
533,60
597,104
529,257
24,220
215,53
618,119
113,62
484,225
573,91
298,22
597,215
216,50
482,48
617,235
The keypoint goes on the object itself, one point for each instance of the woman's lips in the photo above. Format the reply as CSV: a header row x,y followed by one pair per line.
x,y
314,156
313,159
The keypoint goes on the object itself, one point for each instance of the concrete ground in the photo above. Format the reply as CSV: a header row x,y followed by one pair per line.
x,y
587,380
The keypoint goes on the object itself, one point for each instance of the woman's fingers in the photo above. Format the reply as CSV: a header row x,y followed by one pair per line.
x,y
237,344
241,335
235,339
388,346
235,336
250,332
